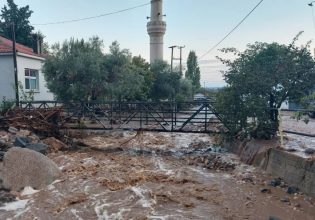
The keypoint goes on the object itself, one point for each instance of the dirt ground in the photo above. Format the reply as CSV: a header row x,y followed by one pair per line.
x,y
127,175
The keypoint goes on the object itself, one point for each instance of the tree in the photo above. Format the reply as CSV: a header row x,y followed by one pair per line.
x,y
259,80
166,83
12,14
185,90
193,70
128,78
143,68
79,71
75,70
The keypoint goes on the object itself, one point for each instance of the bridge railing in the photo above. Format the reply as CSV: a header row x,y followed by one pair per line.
x,y
195,116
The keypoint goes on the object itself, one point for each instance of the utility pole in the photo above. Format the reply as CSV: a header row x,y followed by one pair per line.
x,y
180,59
172,56
17,101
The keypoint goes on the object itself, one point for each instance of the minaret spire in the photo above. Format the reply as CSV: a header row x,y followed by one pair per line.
x,y
156,30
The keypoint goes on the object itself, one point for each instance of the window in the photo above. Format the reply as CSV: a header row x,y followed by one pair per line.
x,y
31,79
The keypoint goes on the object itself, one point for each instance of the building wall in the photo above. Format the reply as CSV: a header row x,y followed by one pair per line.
x,y
29,63
7,77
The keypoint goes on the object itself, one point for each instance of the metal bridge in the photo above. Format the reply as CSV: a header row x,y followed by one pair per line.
x,y
193,117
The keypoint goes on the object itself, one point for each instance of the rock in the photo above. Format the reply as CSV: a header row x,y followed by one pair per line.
x,y
2,143
290,149
39,147
24,167
274,218
54,145
275,182
208,150
297,205
292,190
1,155
5,138
21,141
309,151
13,130
6,197
285,199
24,132
265,190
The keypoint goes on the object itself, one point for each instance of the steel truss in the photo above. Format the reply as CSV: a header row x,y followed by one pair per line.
x,y
194,117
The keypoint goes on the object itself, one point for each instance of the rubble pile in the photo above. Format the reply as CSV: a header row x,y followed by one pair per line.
x,y
22,160
211,162
42,121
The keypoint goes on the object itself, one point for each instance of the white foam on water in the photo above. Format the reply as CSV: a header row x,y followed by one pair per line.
x,y
28,191
202,172
14,206
140,193
102,213
162,166
21,212
74,212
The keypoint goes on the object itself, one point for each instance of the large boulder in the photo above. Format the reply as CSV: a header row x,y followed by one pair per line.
x,y
23,167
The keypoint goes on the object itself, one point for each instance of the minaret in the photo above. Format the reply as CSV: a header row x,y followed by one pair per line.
x,y
156,29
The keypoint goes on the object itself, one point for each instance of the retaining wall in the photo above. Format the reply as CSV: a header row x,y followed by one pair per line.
x,y
295,170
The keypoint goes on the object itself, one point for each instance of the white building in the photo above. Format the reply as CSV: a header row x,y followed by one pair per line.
x,y
29,67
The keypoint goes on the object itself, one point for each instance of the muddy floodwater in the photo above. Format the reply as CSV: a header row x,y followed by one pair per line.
x,y
128,175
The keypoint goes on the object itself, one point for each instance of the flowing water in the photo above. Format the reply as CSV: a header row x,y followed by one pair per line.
x,y
155,176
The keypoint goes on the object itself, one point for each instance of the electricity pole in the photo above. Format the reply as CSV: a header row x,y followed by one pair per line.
x,y
17,101
172,56
180,59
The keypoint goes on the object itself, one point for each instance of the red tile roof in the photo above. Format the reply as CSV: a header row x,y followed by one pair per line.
x,y
7,47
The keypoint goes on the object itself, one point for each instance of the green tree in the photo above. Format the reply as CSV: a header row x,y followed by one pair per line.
x,y
185,92
166,83
128,78
78,70
12,14
193,70
142,67
75,70
259,80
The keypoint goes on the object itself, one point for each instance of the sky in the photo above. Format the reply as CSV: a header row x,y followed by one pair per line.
x,y
197,24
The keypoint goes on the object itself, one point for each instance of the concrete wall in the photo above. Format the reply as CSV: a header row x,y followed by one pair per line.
x,y
295,170
7,77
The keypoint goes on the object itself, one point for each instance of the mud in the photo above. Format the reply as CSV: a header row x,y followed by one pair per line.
x,y
156,176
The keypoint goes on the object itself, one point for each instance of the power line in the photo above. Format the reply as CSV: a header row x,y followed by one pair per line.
x,y
92,17
226,36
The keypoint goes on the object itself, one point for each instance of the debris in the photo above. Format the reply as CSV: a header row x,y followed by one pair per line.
x,y
38,147
40,121
274,218
24,167
285,199
21,141
275,182
309,151
265,190
6,197
292,190
13,130
55,145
